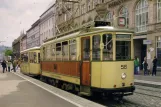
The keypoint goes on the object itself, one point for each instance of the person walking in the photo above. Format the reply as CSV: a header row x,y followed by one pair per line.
x,y
14,65
154,66
145,67
3,65
9,65
136,64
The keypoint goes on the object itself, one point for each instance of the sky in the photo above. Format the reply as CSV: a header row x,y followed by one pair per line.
x,y
18,15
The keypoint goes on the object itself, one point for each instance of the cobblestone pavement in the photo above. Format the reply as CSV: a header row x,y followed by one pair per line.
x,y
143,97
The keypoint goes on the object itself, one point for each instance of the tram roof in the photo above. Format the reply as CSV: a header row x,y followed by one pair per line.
x,y
88,32
30,49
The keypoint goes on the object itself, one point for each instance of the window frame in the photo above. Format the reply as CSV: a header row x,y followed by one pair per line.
x,y
140,9
158,8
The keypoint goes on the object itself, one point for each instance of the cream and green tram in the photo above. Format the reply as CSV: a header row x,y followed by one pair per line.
x,y
31,61
96,60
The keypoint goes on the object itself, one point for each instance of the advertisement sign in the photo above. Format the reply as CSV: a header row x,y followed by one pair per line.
x,y
122,21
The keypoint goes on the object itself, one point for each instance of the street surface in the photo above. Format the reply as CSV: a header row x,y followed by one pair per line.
x,y
18,92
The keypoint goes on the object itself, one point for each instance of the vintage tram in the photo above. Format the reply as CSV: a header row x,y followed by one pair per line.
x,y
94,60
31,61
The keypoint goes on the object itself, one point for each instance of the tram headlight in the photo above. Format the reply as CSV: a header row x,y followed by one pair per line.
x,y
123,75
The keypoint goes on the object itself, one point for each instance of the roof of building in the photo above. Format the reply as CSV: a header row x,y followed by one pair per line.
x,y
48,8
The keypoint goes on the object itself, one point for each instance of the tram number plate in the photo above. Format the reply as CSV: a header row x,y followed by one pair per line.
x,y
123,66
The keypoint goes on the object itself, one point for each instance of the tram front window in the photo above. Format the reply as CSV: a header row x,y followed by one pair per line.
x,y
107,50
123,48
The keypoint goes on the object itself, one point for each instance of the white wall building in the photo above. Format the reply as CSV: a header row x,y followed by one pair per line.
x,y
47,24
33,37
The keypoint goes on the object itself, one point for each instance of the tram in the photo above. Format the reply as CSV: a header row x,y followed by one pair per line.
x,y
30,61
95,60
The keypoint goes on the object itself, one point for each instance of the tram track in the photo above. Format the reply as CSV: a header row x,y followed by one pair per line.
x,y
148,91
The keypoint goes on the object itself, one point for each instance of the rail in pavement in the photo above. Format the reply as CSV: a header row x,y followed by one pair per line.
x,y
150,81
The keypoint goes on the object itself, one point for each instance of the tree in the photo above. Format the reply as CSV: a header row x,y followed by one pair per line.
x,y
8,52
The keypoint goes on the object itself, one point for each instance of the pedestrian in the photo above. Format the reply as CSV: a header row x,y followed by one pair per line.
x,y
138,68
154,66
9,65
145,67
14,65
3,65
136,65
6,64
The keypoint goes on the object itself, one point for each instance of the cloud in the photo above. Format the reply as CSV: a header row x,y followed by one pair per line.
x,y
17,15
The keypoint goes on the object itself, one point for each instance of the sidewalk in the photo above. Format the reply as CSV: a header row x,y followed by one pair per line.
x,y
150,81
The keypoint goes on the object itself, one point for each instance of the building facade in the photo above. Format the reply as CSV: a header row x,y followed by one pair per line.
x,y
16,48
47,24
23,42
142,16
33,36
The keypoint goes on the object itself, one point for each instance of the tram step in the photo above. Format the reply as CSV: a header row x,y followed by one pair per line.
x,y
84,93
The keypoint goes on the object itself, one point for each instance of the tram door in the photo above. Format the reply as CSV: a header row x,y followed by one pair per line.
x,y
85,57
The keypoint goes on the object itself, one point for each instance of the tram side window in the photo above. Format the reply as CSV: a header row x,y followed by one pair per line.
x,y
48,52
96,47
38,57
123,50
33,57
24,57
53,51
86,49
108,50
58,51
72,49
44,53
65,50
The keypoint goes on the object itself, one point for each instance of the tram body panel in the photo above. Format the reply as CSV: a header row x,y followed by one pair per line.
x,y
66,78
34,68
111,74
96,74
25,68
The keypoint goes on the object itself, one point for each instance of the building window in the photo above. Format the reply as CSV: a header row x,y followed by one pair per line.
x,y
141,16
124,13
158,51
159,10
109,17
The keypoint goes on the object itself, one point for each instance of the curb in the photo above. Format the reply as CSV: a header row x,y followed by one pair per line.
x,y
148,83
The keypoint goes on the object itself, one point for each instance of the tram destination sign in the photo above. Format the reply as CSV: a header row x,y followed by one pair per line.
x,y
123,36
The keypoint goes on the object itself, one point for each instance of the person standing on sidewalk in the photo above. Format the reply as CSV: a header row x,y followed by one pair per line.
x,y
154,66
136,64
3,65
145,67
9,65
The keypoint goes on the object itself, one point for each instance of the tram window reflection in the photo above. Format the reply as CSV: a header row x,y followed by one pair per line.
x,y
58,51
96,47
86,49
65,50
72,49
48,55
123,50
33,57
108,47
24,57
53,51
